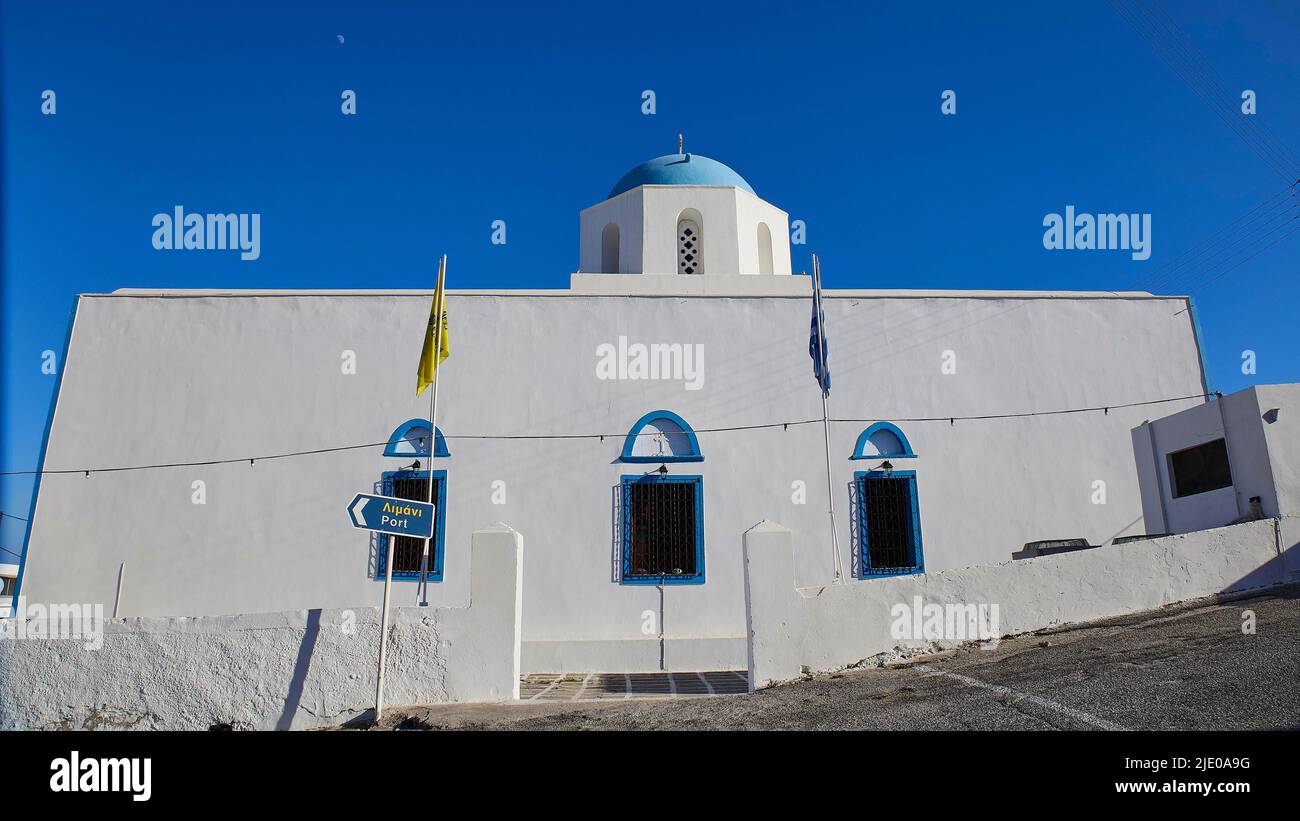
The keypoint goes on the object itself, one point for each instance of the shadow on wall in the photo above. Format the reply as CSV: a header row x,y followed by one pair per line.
x,y
293,699
1280,567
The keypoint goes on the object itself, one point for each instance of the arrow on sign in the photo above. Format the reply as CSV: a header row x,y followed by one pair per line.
x,y
389,514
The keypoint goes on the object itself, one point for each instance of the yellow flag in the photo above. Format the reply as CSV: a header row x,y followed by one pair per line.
x,y
428,366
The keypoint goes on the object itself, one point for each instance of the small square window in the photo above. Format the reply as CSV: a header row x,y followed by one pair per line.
x,y
1200,469
663,530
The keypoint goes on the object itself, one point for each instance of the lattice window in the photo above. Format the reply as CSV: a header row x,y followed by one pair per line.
x,y
889,525
663,529
690,248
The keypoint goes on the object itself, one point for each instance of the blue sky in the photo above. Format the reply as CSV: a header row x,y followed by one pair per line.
x,y
469,113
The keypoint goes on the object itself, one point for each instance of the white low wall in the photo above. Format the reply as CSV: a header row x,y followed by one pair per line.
x,y
833,627
292,670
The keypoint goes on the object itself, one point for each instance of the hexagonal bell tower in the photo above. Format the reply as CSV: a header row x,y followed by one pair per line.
x,y
688,215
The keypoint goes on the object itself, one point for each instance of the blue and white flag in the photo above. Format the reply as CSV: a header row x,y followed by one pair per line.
x,y
817,347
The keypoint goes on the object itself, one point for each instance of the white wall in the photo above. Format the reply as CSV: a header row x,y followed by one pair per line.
x,y
647,220
750,211
625,211
1194,426
1262,455
1278,409
834,627
291,670
155,379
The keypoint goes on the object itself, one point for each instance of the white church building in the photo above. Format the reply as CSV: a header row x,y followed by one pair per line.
x,y
629,428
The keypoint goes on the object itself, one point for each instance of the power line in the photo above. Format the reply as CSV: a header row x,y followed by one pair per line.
x,y
1225,271
1260,126
11,516
1156,36
1277,204
1213,268
11,552
1149,30
602,436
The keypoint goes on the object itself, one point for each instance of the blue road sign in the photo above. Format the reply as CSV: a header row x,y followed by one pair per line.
x,y
388,514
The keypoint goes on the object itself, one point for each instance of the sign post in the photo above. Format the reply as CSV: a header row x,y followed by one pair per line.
x,y
396,517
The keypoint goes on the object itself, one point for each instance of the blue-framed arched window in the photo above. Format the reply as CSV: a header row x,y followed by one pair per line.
x,y
883,440
888,523
411,438
661,436
886,512
661,516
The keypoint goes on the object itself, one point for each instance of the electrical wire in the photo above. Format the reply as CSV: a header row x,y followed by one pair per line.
x,y
1281,202
569,436
1212,270
1155,35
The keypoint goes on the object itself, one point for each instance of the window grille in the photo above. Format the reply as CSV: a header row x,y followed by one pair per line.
x,y
408,551
663,529
690,248
889,525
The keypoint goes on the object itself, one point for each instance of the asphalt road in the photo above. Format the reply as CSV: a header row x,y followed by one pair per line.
x,y
1180,668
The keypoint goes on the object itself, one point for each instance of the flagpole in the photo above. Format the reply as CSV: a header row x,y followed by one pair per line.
x,y
433,423
835,537
388,564
836,561
383,632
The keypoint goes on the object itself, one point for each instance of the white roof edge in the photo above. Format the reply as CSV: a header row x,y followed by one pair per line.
x,y
858,293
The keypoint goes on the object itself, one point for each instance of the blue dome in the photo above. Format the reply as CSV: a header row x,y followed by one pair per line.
x,y
680,169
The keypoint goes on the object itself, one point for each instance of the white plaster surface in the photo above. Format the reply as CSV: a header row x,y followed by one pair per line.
x,y
1261,426
157,378
836,626
647,217
290,670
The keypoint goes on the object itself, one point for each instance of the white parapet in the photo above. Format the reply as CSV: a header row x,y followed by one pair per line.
x,y
792,630
288,670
